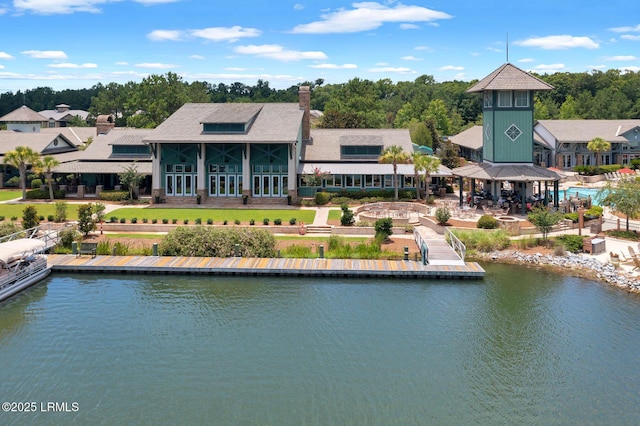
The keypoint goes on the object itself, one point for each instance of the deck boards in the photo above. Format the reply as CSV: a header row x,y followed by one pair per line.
x,y
439,266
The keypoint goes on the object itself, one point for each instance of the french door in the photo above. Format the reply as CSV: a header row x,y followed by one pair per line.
x,y
270,186
180,184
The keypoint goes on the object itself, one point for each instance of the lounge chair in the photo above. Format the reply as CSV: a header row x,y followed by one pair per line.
x,y
632,252
636,263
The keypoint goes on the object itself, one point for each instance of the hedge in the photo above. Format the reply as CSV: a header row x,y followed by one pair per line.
x,y
114,195
38,194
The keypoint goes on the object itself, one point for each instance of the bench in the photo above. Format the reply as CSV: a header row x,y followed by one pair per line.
x,y
87,248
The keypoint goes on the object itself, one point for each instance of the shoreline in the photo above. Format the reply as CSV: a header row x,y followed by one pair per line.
x,y
569,264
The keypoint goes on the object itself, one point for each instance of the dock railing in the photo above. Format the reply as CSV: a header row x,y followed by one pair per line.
x,y
41,232
457,245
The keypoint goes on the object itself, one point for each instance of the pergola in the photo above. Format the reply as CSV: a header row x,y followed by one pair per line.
x,y
524,174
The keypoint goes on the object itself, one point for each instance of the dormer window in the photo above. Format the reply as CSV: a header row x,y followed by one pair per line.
x,y
224,127
360,151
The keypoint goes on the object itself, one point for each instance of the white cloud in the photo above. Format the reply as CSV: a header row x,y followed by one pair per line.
x,y
70,65
396,70
199,57
367,16
558,42
1,67
274,51
4,55
411,58
298,6
459,76
621,58
381,64
334,66
54,7
626,29
494,49
451,68
630,69
235,69
230,34
122,63
427,48
630,37
409,27
155,65
549,68
3,10
45,54
596,67
525,60
162,35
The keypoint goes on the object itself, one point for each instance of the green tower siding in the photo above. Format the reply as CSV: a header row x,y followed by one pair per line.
x,y
507,150
487,141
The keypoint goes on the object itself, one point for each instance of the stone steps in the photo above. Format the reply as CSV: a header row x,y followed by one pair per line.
x,y
318,229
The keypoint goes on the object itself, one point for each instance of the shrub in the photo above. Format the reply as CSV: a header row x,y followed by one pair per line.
x,y
144,220
86,223
186,221
121,249
265,221
67,236
30,217
218,242
347,218
51,218
38,194
277,221
154,220
383,228
13,182
41,218
1,218
61,211
442,215
224,222
487,222
209,221
36,183
252,222
174,221
572,216
322,198
198,221
123,220
8,229
133,220
236,222
570,242
165,221
114,196
14,218
113,219
103,248
293,221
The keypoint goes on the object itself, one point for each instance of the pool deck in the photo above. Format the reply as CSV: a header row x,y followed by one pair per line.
x,y
242,266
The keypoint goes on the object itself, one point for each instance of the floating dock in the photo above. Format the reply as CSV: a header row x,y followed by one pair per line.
x,y
244,266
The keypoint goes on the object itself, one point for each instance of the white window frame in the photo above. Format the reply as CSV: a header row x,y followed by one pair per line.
x,y
502,96
488,99
517,95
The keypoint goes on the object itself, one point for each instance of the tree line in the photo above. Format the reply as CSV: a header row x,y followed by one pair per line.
x,y
431,109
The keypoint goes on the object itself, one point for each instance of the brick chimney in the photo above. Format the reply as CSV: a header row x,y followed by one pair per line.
x,y
304,94
104,124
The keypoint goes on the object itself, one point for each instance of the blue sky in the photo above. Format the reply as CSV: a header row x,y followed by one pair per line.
x,y
78,43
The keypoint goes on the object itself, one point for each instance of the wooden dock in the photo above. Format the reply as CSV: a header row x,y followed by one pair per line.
x,y
267,266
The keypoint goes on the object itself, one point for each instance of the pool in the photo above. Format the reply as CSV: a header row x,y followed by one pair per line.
x,y
582,193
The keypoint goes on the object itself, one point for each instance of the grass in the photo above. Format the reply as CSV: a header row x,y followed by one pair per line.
x,y
9,210
218,215
10,194
335,214
136,236
321,238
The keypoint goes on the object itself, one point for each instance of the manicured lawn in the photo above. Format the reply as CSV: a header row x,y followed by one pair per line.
x,y
10,194
10,210
136,236
319,238
335,214
217,215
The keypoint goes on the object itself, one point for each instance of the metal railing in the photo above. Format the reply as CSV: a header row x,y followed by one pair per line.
x,y
41,232
457,245
23,271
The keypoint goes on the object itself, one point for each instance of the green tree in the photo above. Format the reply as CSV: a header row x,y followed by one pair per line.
x,y
45,166
21,158
439,113
544,219
30,217
622,196
383,228
598,146
568,109
420,134
394,155
449,154
86,221
131,179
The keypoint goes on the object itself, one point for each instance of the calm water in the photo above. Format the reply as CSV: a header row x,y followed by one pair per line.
x,y
520,347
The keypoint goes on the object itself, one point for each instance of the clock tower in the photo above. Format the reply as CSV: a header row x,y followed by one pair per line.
x,y
507,107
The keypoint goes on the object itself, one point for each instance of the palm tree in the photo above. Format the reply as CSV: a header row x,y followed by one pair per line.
x,y
395,155
416,159
46,166
429,164
20,158
598,145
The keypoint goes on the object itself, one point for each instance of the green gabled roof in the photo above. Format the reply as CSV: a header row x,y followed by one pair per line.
x,y
509,77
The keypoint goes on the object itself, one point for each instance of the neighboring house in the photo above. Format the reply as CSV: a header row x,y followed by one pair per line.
x,y
99,165
62,113
24,119
567,141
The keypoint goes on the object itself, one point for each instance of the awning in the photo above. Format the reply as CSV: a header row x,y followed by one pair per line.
x,y
11,251
507,172
366,169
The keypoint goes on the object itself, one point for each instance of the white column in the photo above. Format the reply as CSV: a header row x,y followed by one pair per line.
x,y
201,184
246,171
156,171
293,175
